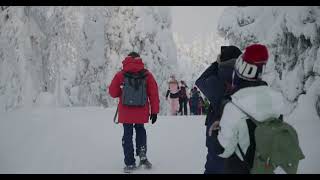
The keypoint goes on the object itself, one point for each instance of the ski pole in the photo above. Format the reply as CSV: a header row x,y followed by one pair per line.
x,y
115,117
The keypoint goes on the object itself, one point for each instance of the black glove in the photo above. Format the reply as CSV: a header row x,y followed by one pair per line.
x,y
153,118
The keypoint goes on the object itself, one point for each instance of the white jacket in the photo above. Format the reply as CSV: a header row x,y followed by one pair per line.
x,y
260,102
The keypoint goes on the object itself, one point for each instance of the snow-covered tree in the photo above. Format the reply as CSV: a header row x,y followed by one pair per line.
x,y
72,53
195,57
292,35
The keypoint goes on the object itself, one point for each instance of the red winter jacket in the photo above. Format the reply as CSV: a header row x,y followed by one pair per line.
x,y
137,115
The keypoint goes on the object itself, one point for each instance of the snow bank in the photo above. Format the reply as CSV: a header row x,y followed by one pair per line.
x,y
45,99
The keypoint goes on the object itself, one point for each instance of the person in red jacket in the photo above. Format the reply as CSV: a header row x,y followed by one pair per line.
x,y
135,116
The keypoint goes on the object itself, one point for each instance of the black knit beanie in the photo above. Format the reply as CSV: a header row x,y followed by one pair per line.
x,y
229,52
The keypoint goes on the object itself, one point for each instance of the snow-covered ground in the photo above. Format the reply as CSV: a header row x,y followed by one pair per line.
x,y
85,140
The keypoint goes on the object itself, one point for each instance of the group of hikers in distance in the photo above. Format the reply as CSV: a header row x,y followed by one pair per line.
x,y
245,128
179,99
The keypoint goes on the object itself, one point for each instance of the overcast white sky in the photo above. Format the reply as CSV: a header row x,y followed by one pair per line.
x,y
190,21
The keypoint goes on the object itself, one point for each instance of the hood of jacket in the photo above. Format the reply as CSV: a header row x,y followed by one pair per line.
x,y
227,64
133,65
261,102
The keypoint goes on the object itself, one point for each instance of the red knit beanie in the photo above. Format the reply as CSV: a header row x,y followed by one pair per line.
x,y
250,65
256,54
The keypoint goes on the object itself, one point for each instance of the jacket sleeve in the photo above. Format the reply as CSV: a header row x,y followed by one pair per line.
x,y
219,149
153,94
114,88
168,92
233,131
211,85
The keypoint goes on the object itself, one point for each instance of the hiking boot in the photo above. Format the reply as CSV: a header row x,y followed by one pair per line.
x,y
143,159
129,169
142,153
145,163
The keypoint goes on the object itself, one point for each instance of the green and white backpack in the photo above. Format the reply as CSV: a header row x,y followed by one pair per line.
x,y
277,145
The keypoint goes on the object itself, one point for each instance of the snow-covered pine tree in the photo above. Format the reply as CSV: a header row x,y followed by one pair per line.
x,y
292,35
72,53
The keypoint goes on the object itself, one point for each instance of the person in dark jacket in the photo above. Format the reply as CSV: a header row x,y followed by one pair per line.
x,y
194,101
247,73
183,98
215,83
200,109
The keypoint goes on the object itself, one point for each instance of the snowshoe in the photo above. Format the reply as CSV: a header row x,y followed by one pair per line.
x,y
129,169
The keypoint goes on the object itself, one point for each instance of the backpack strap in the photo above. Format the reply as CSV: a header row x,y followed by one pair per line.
x,y
280,118
238,146
135,79
143,73
139,75
247,114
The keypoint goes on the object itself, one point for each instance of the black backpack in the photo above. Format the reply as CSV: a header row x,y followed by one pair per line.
x,y
134,92
195,95
183,92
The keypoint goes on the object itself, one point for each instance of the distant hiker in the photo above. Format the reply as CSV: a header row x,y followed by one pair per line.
x,y
138,96
251,132
183,98
194,101
173,94
214,83
45,87
200,109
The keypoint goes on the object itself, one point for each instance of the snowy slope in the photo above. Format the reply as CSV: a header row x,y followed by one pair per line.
x,y
73,52
85,140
